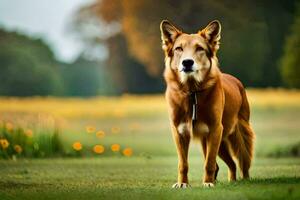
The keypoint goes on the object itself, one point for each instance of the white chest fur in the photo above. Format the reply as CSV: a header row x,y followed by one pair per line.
x,y
201,128
182,128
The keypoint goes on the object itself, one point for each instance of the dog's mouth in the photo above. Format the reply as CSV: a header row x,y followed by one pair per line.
x,y
186,75
187,69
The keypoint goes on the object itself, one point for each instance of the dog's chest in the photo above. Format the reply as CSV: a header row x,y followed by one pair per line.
x,y
186,109
200,128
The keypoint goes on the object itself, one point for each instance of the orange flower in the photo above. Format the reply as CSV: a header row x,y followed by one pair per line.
x,y
90,129
100,134
77,146
29,133
9,126
18,148
98,149
4,143
127,152
115,147
115,129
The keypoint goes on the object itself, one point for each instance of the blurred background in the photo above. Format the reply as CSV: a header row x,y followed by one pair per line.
x,y
54,54
112,47
82,110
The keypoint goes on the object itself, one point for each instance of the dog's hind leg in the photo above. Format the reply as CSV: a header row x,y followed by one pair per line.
x,y
224,154
242,144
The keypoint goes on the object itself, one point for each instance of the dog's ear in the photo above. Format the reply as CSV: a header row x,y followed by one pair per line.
x,y
168,34
212,33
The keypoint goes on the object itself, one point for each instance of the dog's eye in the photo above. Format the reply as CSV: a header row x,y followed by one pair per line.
x,y
178,49
199,48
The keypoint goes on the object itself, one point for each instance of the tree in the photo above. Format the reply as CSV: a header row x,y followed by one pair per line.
x,y
251,38
27,67
290,62
127,74
85,78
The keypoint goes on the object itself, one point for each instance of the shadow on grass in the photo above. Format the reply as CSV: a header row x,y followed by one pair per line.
x,y
239,183
276,180
19,185
263,181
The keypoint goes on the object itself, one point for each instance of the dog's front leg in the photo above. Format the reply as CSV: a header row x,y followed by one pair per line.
x,y
181,135
213,141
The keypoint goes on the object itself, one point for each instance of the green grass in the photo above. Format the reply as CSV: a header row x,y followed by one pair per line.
x,y
151,171
141,178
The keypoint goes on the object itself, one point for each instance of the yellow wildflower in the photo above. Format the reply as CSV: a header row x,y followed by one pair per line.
x,y
127,152
9,126
100,134
18,148
29,133
115,147
77,146
98,149
4,143
90,129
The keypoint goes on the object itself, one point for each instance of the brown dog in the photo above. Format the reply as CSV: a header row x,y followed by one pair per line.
x,y
205,103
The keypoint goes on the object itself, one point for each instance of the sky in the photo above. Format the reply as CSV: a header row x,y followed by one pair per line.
x,y
46,19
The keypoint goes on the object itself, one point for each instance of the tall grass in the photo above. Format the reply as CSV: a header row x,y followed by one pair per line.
x,y
42,135
17,141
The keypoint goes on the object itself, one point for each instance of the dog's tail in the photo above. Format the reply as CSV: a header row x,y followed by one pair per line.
x,y
242,141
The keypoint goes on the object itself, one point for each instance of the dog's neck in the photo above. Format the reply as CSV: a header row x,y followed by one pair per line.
x,y
191,85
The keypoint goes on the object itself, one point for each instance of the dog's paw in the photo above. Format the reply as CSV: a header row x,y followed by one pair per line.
x,y
181,185
208,185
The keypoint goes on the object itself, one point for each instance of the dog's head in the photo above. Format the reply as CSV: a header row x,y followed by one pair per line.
x,y
190,55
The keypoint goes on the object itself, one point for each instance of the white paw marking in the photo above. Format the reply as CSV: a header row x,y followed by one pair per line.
x,y
182,128
181,185
208,185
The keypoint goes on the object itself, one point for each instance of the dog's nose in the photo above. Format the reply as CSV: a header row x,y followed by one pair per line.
x,y
187,65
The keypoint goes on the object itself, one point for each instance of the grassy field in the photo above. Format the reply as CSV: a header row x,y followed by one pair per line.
x,y
140,178
141,123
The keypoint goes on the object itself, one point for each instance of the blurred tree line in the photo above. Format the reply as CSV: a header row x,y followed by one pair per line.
x,y
28,67
260,45
254,34
290,61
